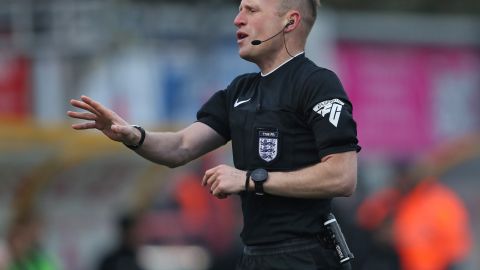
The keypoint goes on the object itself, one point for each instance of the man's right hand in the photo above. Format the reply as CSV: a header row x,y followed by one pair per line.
x,y
101,118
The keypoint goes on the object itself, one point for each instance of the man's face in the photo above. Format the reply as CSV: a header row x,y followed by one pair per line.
x,y
258,20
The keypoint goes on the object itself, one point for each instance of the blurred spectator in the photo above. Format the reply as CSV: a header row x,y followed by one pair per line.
x,y
124,255
431,227
421,220
23,244
375,217
188,215
212,220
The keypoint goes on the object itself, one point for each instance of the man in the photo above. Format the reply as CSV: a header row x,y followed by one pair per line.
x,y
293,138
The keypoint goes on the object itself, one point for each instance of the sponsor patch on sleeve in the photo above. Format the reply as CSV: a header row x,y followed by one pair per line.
x,y
332,107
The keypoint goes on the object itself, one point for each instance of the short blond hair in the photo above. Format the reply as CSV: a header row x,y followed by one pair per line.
x,y
308,8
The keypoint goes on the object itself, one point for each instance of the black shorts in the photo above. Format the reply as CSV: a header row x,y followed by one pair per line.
x,y
297,254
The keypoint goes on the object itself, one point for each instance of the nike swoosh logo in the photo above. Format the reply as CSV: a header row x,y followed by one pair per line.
x,y
237,102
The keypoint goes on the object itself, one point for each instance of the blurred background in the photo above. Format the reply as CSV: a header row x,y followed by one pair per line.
x,y
74,200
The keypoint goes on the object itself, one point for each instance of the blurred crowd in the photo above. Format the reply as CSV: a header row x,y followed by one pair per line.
x,y
416,221
22,249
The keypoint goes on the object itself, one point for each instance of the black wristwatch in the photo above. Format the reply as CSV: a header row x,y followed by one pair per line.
x,y
259,176
142,138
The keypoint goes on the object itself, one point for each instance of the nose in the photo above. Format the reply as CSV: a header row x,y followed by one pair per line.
x,y
239,20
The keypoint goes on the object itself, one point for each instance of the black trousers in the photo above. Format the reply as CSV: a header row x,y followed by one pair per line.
x,y
296,254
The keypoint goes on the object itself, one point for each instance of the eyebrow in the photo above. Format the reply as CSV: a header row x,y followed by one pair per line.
x,y
249,6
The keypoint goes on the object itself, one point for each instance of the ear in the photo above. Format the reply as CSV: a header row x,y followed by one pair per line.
x,y
293,19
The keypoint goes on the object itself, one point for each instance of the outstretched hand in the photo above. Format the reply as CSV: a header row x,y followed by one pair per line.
x,y
101,118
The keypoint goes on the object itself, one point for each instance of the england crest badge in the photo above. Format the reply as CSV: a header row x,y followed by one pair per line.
x,y
268,144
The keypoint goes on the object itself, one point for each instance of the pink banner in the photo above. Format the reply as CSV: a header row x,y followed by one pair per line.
x,y
401,93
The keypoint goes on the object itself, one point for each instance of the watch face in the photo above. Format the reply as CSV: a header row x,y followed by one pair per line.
x,y
259,175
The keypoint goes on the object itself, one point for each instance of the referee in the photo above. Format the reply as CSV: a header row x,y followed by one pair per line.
x,y
293,137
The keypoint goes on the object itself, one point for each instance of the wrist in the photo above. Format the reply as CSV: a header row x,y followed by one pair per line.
x,y
251,185
247,181
140,139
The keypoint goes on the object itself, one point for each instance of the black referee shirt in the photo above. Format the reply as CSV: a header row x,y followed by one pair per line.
x,y
284,121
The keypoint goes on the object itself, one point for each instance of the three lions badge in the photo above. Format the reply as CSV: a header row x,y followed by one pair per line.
x,y
268,144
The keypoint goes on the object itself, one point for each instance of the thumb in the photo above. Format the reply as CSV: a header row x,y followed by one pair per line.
x,y
123,131
128,134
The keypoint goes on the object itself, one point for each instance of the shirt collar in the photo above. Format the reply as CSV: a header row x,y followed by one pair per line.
x,y
265,75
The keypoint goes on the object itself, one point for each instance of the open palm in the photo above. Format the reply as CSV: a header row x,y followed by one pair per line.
x,y
101,118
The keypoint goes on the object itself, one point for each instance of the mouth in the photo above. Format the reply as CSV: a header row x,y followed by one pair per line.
x,y
241,36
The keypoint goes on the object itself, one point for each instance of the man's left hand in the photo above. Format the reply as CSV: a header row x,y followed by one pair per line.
x,y
224,180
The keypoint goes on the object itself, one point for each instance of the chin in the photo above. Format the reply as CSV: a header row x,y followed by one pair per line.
x,y
246,56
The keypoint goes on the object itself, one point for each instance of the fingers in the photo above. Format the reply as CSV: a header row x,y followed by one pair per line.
x,y
104,115
208,175
214,188
95,105
209,179
212,180
211,176
217,192
89,125
82,105
84,116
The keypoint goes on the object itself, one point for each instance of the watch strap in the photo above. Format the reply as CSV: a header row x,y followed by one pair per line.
x,y
142,138
247,180
259,188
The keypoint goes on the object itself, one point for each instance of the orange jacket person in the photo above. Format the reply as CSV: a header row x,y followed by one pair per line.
x,y
431,228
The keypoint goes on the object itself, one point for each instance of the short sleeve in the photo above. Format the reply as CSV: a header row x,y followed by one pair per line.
x,y
214,114
329,114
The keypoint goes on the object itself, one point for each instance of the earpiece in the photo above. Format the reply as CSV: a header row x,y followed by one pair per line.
x,y
257,42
